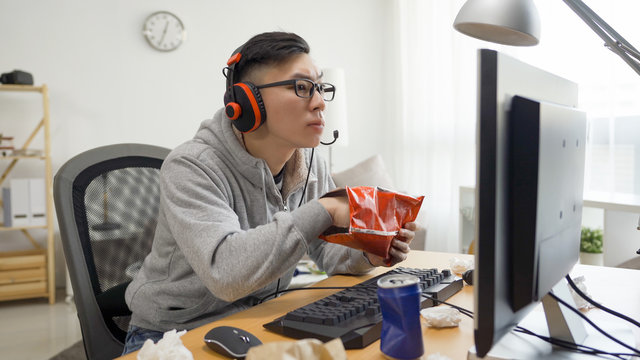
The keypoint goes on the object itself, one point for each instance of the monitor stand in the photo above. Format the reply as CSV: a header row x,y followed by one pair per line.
x,y
564,324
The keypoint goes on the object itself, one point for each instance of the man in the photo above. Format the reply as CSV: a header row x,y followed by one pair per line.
x,y
239,209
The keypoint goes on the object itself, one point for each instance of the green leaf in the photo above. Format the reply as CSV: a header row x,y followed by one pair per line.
x,y
591,240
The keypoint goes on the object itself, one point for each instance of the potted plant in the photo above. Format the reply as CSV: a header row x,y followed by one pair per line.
x,y
591,247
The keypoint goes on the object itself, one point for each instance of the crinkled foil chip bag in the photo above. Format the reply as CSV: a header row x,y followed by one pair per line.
x,y
376,215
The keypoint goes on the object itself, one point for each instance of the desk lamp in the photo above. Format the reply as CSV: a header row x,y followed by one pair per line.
x,y
335,113
516,22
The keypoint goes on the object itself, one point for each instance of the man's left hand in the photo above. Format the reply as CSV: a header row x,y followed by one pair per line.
x,y
399,247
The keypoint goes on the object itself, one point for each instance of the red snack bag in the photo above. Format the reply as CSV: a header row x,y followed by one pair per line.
x,y
376,214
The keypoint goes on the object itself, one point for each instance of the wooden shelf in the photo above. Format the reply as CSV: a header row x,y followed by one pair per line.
x,y
613,201
30,273
12,157
31,88
12,228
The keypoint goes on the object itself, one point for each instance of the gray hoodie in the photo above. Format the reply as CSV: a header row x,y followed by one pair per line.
x,y
226,234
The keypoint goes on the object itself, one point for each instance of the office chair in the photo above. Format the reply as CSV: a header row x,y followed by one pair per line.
x,y
107,203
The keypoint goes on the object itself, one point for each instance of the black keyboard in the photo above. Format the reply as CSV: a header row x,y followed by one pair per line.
x,y
353,314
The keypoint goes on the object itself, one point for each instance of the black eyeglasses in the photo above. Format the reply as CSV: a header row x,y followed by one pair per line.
x,y
304,88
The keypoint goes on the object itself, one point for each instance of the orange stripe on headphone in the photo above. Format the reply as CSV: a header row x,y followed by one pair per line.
x,y
234,59
254,105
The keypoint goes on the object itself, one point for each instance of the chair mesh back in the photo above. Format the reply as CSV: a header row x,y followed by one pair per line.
x,y
116,205
122,210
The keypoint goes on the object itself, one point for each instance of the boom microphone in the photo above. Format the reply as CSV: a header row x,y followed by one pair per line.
x,y
336,133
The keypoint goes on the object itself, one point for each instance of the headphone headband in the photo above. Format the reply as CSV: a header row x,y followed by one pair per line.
x,y
234,59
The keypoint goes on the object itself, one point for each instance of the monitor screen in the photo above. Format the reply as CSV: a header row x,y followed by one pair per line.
x,y
529,190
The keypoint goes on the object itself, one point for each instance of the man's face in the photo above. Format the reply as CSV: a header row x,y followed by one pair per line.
x,y
292,121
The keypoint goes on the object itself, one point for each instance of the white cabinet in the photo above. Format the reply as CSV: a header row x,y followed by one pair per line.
x,y
616,214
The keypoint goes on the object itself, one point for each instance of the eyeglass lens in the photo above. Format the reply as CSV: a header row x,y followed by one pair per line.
x,y
304,88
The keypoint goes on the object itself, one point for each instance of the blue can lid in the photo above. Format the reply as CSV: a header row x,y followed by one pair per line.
x,y
398,280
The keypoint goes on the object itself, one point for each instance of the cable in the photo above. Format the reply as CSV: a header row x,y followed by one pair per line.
x,y
599,306
554,341
571,346
277,288
592,323
304,190
464,311
306,288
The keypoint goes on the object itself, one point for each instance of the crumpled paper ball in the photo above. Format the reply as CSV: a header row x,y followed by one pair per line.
x,y
305,349
170,347
580,302
441,317
459,266
438,356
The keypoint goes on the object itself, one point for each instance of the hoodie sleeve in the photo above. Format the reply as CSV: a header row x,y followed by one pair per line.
x,y
232,262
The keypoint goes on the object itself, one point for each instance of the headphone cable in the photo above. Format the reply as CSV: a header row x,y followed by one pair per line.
x,y
304,190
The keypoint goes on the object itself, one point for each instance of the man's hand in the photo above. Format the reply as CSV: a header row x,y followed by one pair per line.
x,y
399,247
338,208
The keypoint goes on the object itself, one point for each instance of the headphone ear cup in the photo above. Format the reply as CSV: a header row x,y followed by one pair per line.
x,y
231,108
468,277
247,113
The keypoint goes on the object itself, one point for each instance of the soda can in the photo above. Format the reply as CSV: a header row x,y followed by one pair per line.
x,y
401,336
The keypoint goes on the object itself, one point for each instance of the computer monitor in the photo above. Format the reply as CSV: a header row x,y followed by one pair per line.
x,y
529,190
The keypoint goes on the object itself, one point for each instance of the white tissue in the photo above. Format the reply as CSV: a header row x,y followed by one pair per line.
x,y
441,317
580,302
437,356
170,347
459,266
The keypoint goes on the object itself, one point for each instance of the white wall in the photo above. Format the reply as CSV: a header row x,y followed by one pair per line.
x,y
107,85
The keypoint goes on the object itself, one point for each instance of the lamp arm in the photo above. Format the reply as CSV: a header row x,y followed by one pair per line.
x,y
613,41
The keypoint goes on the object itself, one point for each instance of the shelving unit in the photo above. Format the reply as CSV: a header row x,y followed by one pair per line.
x,y
616,214
30,273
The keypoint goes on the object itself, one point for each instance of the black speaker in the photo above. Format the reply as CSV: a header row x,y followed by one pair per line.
x,y
17,77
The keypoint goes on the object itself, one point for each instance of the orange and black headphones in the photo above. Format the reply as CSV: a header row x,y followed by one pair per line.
x,y
242,101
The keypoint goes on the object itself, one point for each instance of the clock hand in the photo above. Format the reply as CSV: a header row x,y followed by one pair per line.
x,y
164,32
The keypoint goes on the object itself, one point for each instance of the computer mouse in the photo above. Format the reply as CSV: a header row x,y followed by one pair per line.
x,y
231,341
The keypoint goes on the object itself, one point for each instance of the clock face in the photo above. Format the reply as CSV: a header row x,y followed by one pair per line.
x,y
164,31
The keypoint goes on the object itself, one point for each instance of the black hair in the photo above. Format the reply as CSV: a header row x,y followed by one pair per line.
x,y
269,48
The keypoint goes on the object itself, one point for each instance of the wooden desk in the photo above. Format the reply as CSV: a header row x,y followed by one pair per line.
x,y
604,284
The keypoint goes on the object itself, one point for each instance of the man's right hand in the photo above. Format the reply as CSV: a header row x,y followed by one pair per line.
x,y
338,208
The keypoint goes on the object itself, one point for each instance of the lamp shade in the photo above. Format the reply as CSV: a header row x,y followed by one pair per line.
x,y
508,22
335,112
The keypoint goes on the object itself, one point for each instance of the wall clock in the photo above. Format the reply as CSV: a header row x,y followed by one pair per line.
x,y
164,31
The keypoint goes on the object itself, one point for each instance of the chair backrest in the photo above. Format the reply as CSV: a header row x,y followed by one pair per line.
x,y
107,202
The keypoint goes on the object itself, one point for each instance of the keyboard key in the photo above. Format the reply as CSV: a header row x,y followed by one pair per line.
x,y
372,310
314,319
294,316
